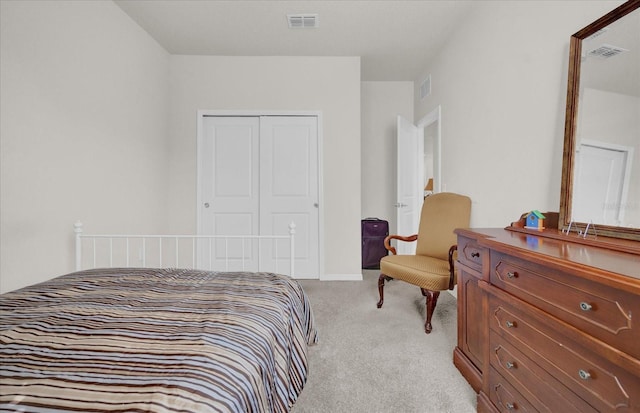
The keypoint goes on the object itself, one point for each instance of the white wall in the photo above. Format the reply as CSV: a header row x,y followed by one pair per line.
x,y
382,102
501,80
330,85
87,98
84,95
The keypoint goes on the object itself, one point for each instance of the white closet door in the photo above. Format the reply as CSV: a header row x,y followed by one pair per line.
x,y
257,175
230,191
289,187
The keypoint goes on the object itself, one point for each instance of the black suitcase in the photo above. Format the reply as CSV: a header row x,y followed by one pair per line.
x,y
374,231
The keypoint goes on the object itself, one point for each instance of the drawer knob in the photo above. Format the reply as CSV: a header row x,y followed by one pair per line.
x,y
510,406
585,306
475,254
584,375
509,324
510,365
512,274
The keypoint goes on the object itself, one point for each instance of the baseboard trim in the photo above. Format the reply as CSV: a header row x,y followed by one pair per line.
x,y
306,277
341,277
454,292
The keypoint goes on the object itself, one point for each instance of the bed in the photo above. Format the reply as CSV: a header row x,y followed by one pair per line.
x,y
157,340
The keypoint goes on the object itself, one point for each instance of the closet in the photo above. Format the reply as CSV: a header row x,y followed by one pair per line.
x,y
256,175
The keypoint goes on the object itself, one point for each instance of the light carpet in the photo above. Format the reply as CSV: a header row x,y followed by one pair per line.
x,y
380,360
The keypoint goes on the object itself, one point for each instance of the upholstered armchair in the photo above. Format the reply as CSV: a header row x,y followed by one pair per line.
x,y
432,266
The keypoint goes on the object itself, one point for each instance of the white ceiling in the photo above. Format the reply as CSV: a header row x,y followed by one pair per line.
x,y
395,39
620,73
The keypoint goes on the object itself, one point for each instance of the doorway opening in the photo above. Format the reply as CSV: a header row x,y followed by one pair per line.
x,y
429,129
418,171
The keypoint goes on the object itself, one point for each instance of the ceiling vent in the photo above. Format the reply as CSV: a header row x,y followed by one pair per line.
x,y
606,51
303,21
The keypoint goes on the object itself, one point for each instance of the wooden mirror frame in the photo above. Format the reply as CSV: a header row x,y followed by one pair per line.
x,y
573,87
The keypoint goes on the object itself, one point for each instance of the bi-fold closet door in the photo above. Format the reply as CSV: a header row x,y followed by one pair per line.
x,y
258,174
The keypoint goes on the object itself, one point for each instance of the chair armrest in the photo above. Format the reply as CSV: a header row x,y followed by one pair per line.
x,y
452,250
389,247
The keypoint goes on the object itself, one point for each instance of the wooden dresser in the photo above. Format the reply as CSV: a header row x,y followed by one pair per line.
x,y
547,324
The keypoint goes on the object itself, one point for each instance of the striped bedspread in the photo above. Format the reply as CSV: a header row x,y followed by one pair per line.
x,y
155,340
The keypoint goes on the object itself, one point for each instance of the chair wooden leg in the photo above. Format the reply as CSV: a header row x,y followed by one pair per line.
x,y
431,301
381,281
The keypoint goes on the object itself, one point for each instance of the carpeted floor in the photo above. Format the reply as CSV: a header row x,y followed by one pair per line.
x,y
380,360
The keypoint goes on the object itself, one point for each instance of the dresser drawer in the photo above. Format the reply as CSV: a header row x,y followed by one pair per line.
x,y
601,383
470,253
539,387
598,310
505,397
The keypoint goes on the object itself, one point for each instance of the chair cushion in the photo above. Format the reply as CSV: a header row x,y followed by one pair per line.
x,y
425,272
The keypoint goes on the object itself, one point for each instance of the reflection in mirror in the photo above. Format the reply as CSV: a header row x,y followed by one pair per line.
x,y
601,172
606,189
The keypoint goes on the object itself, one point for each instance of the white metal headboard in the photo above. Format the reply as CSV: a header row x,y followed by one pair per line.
x,y
160,250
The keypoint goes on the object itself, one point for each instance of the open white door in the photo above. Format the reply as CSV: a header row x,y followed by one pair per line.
x,y
409,189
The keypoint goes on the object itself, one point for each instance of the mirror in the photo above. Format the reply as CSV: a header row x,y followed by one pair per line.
x,y
601,159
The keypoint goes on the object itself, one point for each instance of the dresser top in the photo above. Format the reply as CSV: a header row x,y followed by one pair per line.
x,y
565,253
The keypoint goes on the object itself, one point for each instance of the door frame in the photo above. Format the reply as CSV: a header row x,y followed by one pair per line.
x,y
628,151
430,118
202,113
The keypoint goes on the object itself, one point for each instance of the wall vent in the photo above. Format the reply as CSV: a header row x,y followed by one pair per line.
x,y
606,51
425,87
303,21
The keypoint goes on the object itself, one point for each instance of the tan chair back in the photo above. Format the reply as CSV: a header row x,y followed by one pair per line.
x,y
441,214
